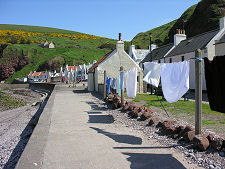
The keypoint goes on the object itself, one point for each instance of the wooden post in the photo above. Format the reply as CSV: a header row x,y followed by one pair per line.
x,y
198,92
104,92
122,90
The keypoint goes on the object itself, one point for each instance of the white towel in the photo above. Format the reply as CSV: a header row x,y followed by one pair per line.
x,y
131,82
175,80
153,75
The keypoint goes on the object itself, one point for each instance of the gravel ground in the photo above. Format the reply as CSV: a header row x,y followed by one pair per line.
x,y
16,127
208,159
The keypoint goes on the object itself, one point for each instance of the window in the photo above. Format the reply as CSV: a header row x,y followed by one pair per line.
x,y
182,58
170,60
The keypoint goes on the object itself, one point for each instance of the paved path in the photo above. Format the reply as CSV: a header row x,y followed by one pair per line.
x,y
81,135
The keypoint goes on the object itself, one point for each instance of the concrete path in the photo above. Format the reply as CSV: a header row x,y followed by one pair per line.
x,y
81,135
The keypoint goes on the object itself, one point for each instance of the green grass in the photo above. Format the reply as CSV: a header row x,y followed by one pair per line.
x,y
71,55
163,34
10,102
35,29
74,52
186,107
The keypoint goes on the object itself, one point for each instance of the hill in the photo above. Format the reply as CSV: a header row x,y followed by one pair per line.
x,y
195,20
141,40
21,52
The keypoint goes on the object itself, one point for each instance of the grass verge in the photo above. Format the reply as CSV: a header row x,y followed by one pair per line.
x,y
8,102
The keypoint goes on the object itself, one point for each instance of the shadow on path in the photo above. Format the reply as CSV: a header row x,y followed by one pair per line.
x,y
153,161
97,112
138,148
106,119
128,139
80,91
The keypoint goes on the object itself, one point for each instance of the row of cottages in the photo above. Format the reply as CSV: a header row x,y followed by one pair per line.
x,y
211,44
81,72
39,77
111,63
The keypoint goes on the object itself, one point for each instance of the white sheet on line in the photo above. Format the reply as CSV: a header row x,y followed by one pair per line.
x,y
175,80
131,82
153,75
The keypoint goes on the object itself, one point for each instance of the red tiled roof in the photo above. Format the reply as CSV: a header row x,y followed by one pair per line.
x,y
30,74
100,61
37,74
71,67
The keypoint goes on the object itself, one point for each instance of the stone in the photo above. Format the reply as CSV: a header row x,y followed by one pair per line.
x,y
125,108
210,137
145,116
133,114
222,154
211,166
114,105
131,107
185,130
217,143
153,121
168,130
188,136
201,142
160,124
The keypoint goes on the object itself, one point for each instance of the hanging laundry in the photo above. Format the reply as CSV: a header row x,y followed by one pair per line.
x,y
118,87
131,82
215,83
153,75
175,80
113,85
121,80
108,82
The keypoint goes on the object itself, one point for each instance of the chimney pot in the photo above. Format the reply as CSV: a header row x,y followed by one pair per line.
x,y
119,36
177,31
131,42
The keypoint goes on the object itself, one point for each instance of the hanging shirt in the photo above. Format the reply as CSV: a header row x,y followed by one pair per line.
x,y
121,80
118,87
131,82
108,82
175,80
113,85
153,75
215,82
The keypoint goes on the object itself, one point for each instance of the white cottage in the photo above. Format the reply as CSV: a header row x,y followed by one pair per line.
x,y
139,54
184,49
111,63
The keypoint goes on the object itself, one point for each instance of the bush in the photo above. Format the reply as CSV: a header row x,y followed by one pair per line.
x,y
107,46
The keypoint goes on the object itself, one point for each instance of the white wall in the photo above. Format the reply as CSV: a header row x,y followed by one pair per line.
x,y
188,56
220,49
96,79
90,82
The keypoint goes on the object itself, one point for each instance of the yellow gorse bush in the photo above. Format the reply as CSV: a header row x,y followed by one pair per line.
x,y
19,37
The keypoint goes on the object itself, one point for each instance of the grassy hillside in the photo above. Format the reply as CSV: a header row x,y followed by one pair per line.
x,y
40,29
197,19
141,40
24,54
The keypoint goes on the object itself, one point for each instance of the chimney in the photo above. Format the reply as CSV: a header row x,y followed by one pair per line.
x,y
120,44
154,46
179,36
222,23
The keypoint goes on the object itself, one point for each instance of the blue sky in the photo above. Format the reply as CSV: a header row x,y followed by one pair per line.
x,y
104,18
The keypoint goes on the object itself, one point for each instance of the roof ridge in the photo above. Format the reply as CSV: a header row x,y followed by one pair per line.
x,y
201,34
